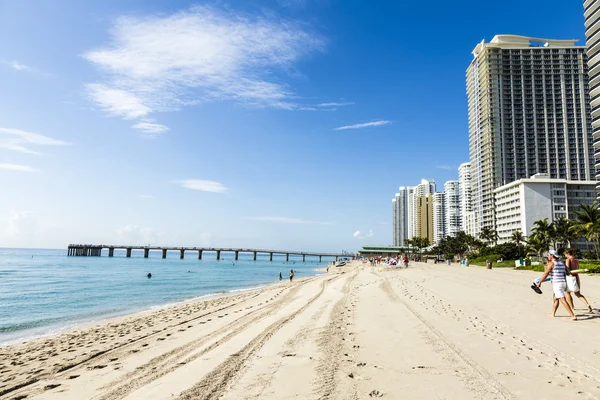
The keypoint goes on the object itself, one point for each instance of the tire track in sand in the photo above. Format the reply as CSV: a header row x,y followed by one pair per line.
x,y
214,384
168,362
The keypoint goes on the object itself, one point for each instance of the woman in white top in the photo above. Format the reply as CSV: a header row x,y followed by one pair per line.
x,y
557,271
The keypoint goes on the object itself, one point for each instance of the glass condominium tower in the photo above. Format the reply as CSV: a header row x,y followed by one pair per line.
x,y
529,113
591,14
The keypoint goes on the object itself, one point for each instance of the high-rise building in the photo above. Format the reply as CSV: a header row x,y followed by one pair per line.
x,y
591,14
466,198
425,217
426,187
439,216
400,216
529,113
452,212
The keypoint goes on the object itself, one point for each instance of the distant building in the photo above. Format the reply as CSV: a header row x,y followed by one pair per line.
x,y
529,113
439,217
592,26
520,203
381,251
415,228
400,216
425,217
466,199
452,212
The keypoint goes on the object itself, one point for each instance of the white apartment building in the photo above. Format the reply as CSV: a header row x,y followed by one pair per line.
x,y
466,198
520,203
439,217
452,212
400,216
529,113
591,14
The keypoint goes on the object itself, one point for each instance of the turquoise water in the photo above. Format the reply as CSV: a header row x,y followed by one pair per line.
x,y
43,291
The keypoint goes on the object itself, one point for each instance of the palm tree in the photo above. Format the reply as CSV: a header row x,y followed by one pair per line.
x,y
537,245
518,239
588,223
563,229
489,235
543,230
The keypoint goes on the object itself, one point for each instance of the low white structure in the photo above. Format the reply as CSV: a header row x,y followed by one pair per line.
x,y
520,203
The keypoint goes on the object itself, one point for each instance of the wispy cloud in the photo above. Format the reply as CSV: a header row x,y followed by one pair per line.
x,y
164,63
286,220
446,167
152,129
347,103
360,235
17,139
365,125
16,167
202,185
20,67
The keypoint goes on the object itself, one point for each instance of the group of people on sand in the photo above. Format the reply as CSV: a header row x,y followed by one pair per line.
x,y
564,282
398,261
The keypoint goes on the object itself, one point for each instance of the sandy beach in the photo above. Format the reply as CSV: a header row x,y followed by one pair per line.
x,y
358,332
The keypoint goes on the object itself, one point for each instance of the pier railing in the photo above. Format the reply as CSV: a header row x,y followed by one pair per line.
x,y
93,250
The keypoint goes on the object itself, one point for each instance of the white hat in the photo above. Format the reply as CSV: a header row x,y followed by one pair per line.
x,y
554,253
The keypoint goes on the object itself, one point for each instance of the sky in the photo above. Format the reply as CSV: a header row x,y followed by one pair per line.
x,y
279,124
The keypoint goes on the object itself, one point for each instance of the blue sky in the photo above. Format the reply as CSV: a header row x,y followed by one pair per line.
x,y
275,124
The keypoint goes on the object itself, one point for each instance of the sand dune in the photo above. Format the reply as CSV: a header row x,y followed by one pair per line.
x,y
426,332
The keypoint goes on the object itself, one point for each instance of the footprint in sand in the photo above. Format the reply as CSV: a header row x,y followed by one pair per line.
x,y
73,376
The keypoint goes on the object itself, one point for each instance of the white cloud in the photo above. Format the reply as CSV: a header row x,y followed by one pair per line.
x,y
446,167
348,103
16,139
136,235
365,125
286,220
152,129
360,235
202,185
20,67
162,63
16,167
118,102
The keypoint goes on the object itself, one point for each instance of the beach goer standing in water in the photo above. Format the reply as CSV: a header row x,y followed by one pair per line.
x,y
291,274
557,272
280,277
572,264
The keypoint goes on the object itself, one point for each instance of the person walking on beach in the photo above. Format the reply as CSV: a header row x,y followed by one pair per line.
x,y
572,264
291,275
405,261
557,272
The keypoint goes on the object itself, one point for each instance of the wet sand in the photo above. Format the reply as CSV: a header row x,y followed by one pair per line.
x,y
426,332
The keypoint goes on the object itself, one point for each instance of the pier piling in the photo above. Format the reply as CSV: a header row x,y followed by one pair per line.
x,y
146,252
218,255
128,252
255,256
181,254
164,253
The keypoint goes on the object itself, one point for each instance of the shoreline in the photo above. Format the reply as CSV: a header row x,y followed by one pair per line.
x,y
58,329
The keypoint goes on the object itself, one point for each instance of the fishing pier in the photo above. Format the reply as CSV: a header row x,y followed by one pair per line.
x,y
91,250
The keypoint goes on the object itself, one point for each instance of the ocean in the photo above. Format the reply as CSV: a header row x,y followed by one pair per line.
x,y
45,291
